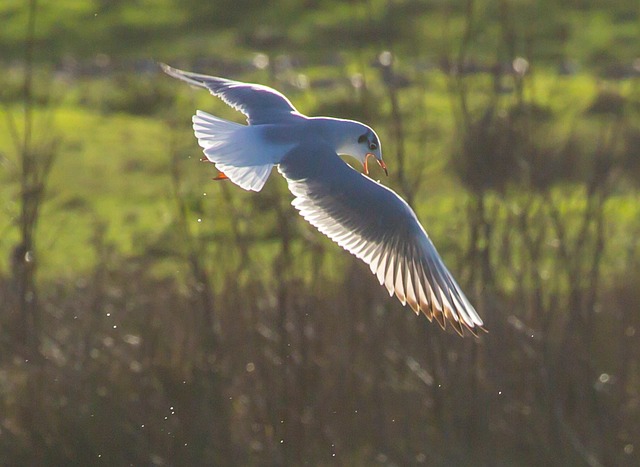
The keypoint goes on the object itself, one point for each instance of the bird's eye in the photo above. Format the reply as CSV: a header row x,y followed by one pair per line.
x,y
373,146
362,138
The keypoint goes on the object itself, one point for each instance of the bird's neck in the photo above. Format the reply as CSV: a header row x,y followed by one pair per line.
x,y
335,131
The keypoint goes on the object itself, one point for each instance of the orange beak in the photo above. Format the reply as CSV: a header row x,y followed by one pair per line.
x,y
380,163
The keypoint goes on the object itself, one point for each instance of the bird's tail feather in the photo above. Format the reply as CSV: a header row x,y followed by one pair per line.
x,y
232,148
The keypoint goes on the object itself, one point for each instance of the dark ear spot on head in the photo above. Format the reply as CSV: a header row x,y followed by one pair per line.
x,y
362,138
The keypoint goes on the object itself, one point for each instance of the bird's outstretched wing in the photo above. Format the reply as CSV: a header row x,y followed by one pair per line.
x,y
376,225
260,104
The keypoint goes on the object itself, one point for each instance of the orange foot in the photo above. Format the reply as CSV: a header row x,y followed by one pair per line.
x,y
221,176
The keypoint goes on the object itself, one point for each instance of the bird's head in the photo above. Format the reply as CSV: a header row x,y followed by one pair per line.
x,y
361,142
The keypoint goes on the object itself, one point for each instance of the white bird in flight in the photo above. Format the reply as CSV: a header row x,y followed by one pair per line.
x,y
362,216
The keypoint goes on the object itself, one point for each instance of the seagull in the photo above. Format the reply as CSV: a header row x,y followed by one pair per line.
x,y
361,215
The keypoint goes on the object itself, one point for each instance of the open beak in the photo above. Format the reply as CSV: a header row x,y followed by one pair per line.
x,y
383,166
380,163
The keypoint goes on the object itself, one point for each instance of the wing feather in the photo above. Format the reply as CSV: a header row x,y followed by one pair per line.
x,y
260,104
377,226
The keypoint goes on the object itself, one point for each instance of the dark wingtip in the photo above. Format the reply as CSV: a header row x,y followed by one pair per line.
x,y
186,76
474,330
170,70
457,327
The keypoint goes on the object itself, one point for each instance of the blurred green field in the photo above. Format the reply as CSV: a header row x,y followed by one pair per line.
x,y
590,32
113,168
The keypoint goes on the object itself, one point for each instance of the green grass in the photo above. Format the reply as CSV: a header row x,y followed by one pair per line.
x,y
109,169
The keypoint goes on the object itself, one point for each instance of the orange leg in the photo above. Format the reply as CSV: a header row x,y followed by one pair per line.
x,y
220,176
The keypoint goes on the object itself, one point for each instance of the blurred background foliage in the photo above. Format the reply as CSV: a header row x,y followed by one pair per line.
x,y
150,316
